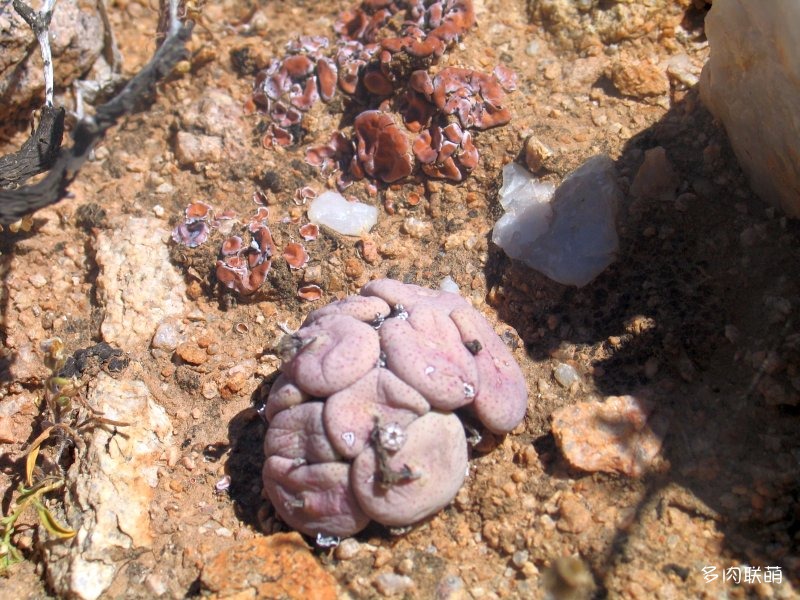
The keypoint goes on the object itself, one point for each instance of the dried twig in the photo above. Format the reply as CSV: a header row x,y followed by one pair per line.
x,y
40,23
39,151
15,204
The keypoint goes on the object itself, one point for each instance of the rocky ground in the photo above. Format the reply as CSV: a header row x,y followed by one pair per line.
x,y
697,317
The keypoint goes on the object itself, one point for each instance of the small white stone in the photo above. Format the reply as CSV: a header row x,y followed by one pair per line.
x,y
38,280
414,227
209,390
390,584
566,375
348,218
519,558
167,336
347,549
192,150
449,285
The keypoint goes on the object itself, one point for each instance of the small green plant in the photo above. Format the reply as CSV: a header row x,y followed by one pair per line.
x,y
30,497
68,414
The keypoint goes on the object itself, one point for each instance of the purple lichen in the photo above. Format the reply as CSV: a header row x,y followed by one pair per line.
x,y
360,420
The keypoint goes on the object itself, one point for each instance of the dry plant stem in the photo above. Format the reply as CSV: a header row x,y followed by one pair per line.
x,y
15,204
39,151
110,48
40,23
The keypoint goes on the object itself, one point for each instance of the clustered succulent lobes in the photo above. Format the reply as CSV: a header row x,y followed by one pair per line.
x,y
385,67
361,421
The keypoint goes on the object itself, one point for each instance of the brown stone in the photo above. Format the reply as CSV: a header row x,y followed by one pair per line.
x,y
7,430
574,516
191,353
192,149
619,435
353,268
639,79
278,566
656,177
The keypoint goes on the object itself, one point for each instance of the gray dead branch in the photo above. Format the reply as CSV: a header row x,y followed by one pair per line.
x,y
43,151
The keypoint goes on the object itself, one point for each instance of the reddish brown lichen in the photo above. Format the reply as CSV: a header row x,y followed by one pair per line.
x,y
244,268
309,293
295,255
446,153
309,231
382,57
381,147
475,98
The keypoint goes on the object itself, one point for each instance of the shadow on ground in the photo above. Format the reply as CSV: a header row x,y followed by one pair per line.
x,y
698,311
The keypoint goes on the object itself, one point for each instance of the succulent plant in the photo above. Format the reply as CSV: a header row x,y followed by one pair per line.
x,y
361,419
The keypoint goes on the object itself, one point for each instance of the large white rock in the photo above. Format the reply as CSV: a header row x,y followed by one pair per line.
x,y
137,284
569,235
110,488
751,83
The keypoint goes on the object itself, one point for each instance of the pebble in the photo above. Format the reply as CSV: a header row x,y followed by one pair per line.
x,y
38,280
451,587
382,557
155,585
619,435
191,149
390,584
529,570
415,228
537,154
519,558
347,218
191,353
574,517
639,79
173,454
533,47
137,284
680,69
167,336
406,566
209,390
656,178
347,549
566,375
276,566
448,284
353,268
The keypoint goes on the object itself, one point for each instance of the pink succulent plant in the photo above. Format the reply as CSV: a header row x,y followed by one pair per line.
x,y
361,421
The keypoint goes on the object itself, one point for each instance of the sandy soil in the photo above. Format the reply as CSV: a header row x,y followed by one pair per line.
x,y
698,313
